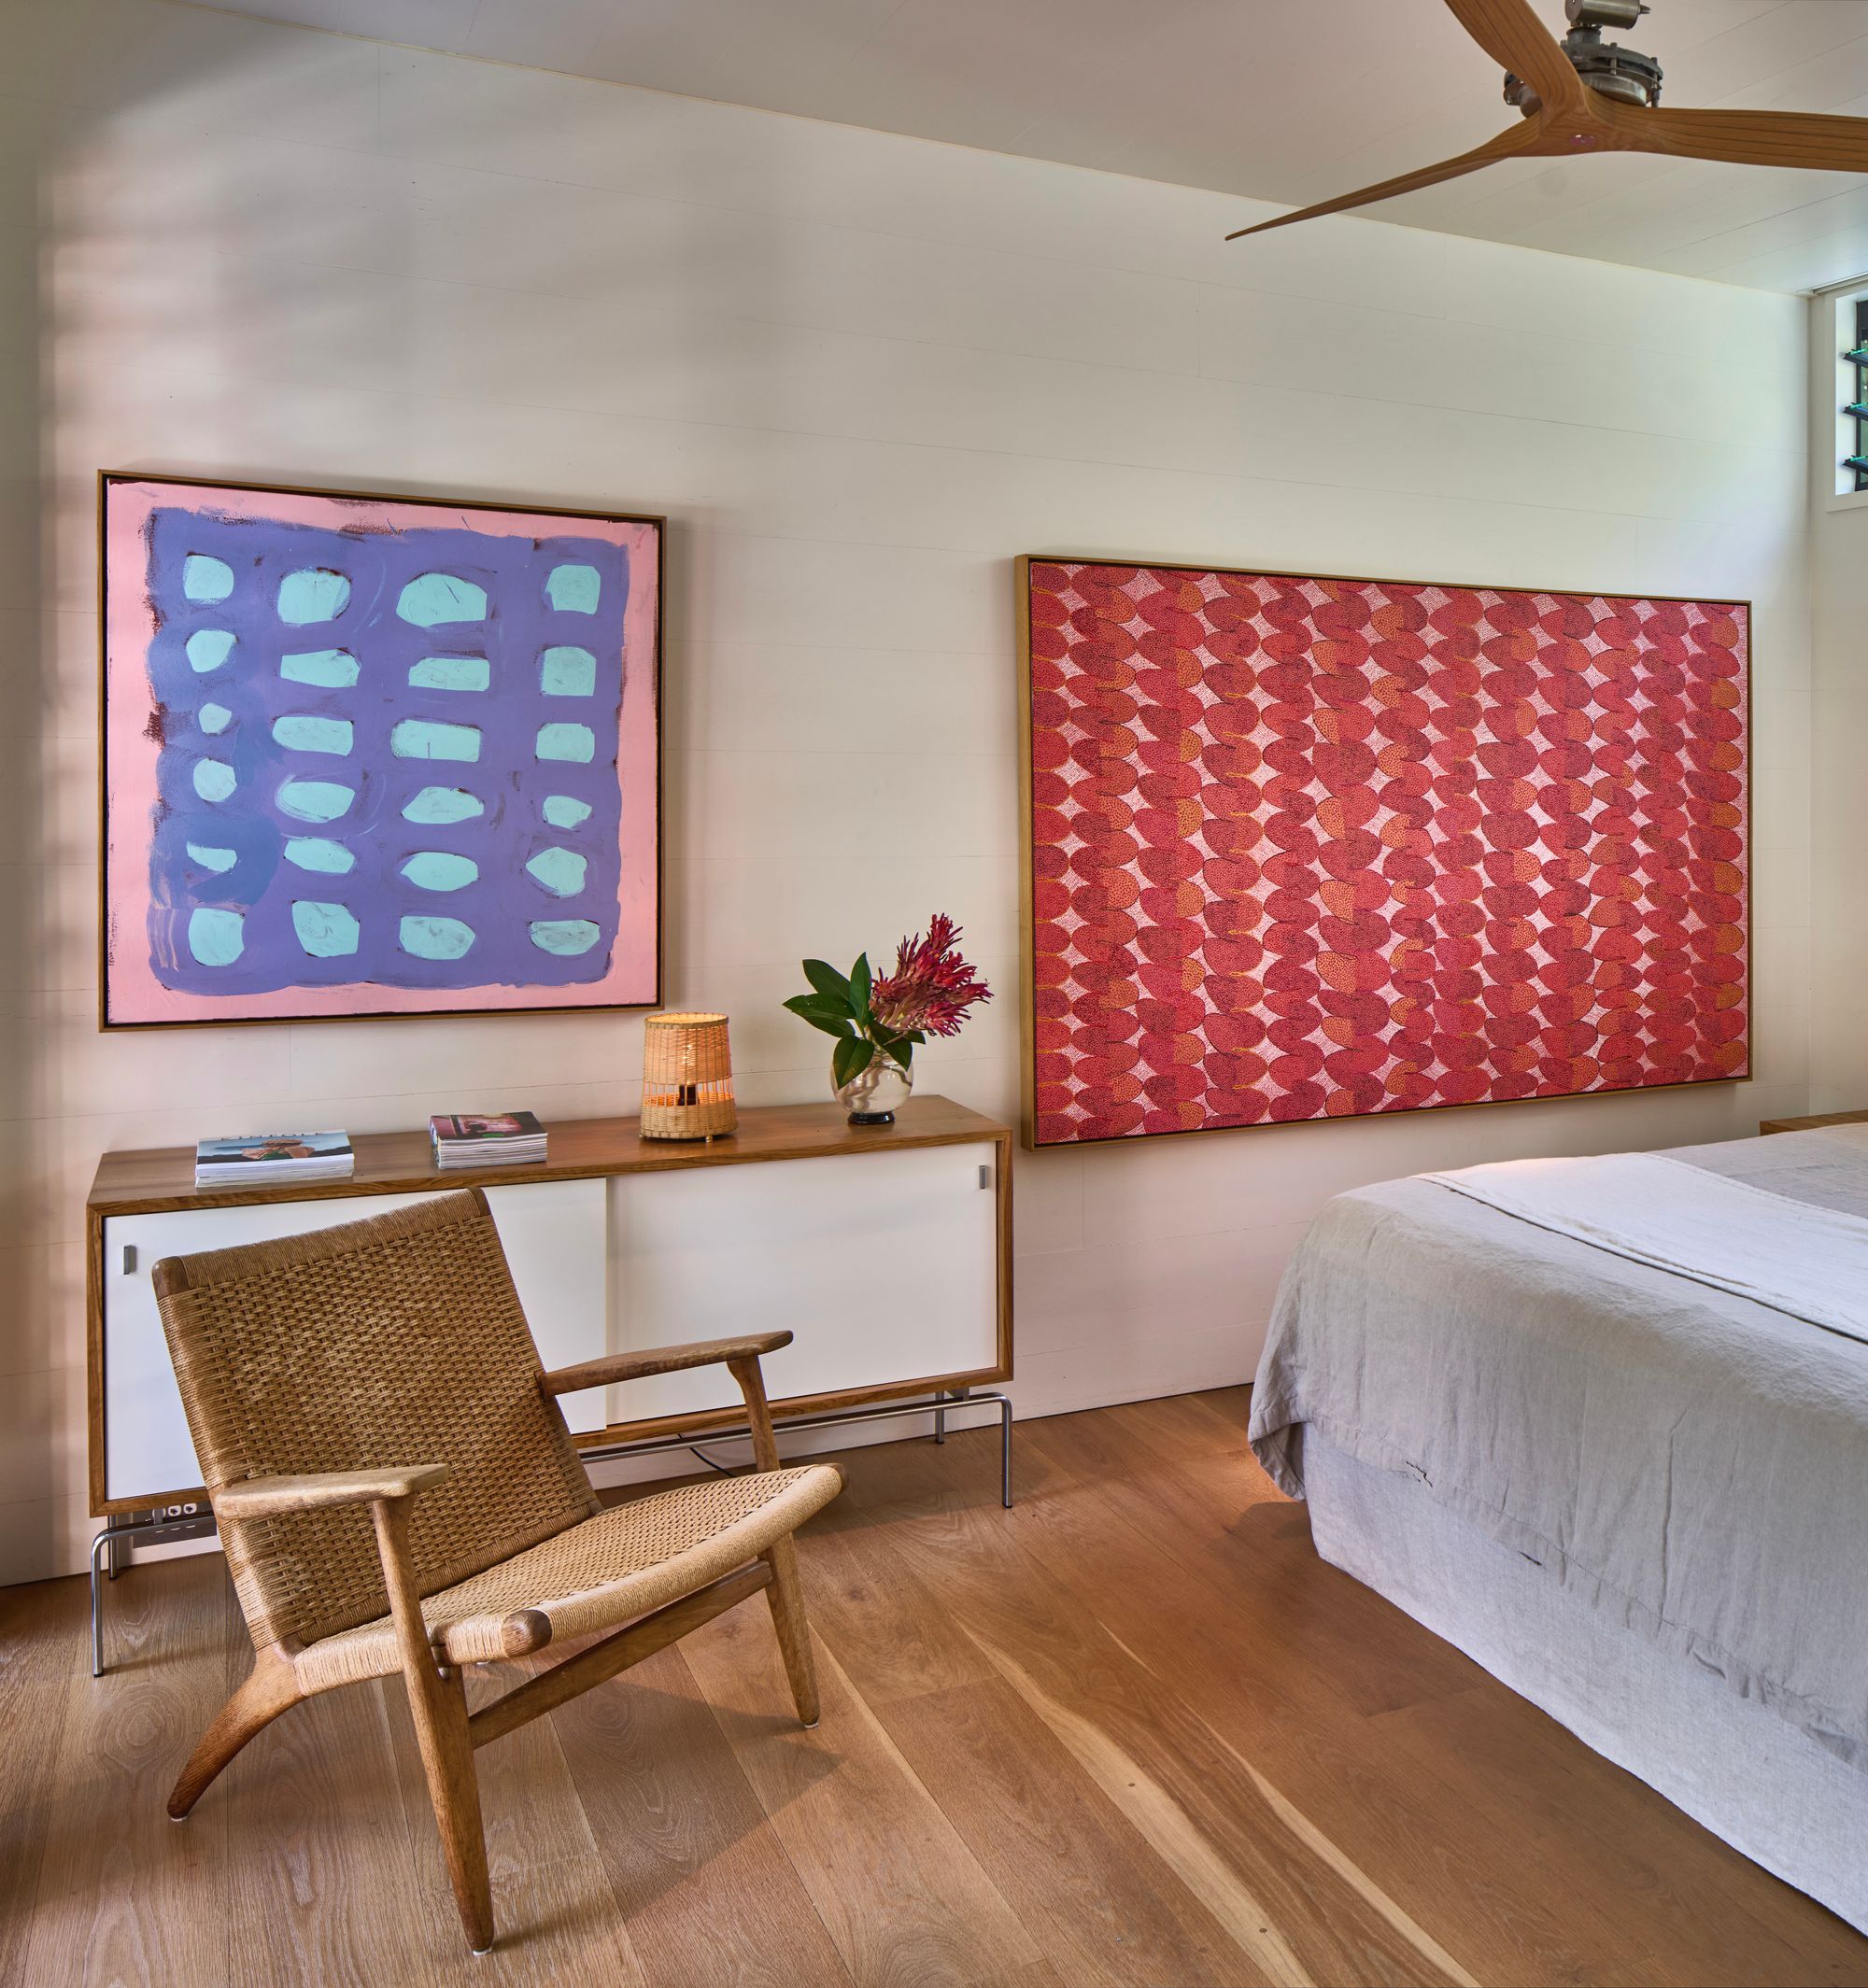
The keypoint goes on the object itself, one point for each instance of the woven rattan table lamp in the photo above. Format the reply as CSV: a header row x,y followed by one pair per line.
x,y
687,1078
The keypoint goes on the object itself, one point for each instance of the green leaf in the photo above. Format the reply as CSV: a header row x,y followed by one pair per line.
x,y
819,1004
899,1046
827,980
851,1058
822,1013
860,981
837,1026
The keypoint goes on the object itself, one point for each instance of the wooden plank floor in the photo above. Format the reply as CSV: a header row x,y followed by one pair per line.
x,y
1132,1732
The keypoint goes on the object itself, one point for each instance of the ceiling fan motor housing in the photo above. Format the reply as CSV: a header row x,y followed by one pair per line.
x,y
1608,69
1613,71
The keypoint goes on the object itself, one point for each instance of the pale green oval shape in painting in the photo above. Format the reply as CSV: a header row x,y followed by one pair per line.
x,y
436,870
559,870
435,939
209,648
435,806
329,669
214,859
428,738
205,579
315,800
561,812
213,778
565,936
573,589
431,598
451,672
326,931
317,853
312,594
215,936
568,671
214,717
304,731
567,741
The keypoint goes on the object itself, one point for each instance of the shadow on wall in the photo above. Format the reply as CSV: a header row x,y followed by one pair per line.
x,y
216,272
44,847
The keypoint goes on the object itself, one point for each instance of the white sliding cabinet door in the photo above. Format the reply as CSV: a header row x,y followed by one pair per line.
x,y
552,1232
884,1264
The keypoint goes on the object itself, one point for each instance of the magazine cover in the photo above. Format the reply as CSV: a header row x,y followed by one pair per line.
x,y
484,1125
267,1147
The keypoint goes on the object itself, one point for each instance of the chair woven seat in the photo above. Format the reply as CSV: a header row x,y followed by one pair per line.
x,y
594,1575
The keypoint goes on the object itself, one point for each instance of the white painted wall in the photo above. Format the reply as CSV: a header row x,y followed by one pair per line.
x,y
859,372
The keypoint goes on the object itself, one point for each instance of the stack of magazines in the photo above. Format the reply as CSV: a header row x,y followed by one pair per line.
x,y
261,1159
497,1138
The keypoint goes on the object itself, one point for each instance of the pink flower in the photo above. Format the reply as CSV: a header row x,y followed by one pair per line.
x,y
933,988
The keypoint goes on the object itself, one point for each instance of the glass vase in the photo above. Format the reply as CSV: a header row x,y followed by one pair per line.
x,y
872,1096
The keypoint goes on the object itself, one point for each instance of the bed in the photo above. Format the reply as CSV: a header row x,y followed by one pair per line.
x,y
1614,1458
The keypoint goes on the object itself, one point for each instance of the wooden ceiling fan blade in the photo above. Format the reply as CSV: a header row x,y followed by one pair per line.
x,y
1520,138
1815,141
1515,39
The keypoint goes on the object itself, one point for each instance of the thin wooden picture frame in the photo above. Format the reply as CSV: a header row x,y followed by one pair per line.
x,y
1022,569
641,541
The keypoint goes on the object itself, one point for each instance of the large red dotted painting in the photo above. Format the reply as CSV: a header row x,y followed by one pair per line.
x,y
1312,848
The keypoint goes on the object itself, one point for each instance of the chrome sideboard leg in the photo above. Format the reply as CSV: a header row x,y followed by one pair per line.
x,y
943,1400
110,1550
102,1544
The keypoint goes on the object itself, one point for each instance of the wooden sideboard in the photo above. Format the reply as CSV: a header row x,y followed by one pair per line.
x,y
1821,1122
886,1250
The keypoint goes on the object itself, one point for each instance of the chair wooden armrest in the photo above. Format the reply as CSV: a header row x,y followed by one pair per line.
x,y
615,1367
260,1497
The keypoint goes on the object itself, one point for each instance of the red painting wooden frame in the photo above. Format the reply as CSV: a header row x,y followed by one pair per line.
x,y
1304,847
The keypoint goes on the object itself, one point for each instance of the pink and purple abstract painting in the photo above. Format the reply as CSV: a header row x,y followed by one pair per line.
x,y
365,756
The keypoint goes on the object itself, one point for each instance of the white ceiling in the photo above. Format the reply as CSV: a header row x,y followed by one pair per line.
x,y
1284,100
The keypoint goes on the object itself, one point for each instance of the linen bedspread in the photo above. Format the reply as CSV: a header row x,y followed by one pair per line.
x,y
1693,1463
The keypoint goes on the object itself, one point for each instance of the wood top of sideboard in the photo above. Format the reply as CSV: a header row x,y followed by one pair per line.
x,y
399,1162
1821,1122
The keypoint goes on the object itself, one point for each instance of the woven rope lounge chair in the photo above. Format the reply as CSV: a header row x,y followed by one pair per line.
x,y
396,1491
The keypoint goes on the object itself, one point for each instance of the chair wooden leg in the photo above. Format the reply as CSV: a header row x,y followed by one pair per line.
x,y
787,1598
785,1595
271,1689
439,1706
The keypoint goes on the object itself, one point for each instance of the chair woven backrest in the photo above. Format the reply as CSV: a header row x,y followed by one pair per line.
x,y
394,1341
